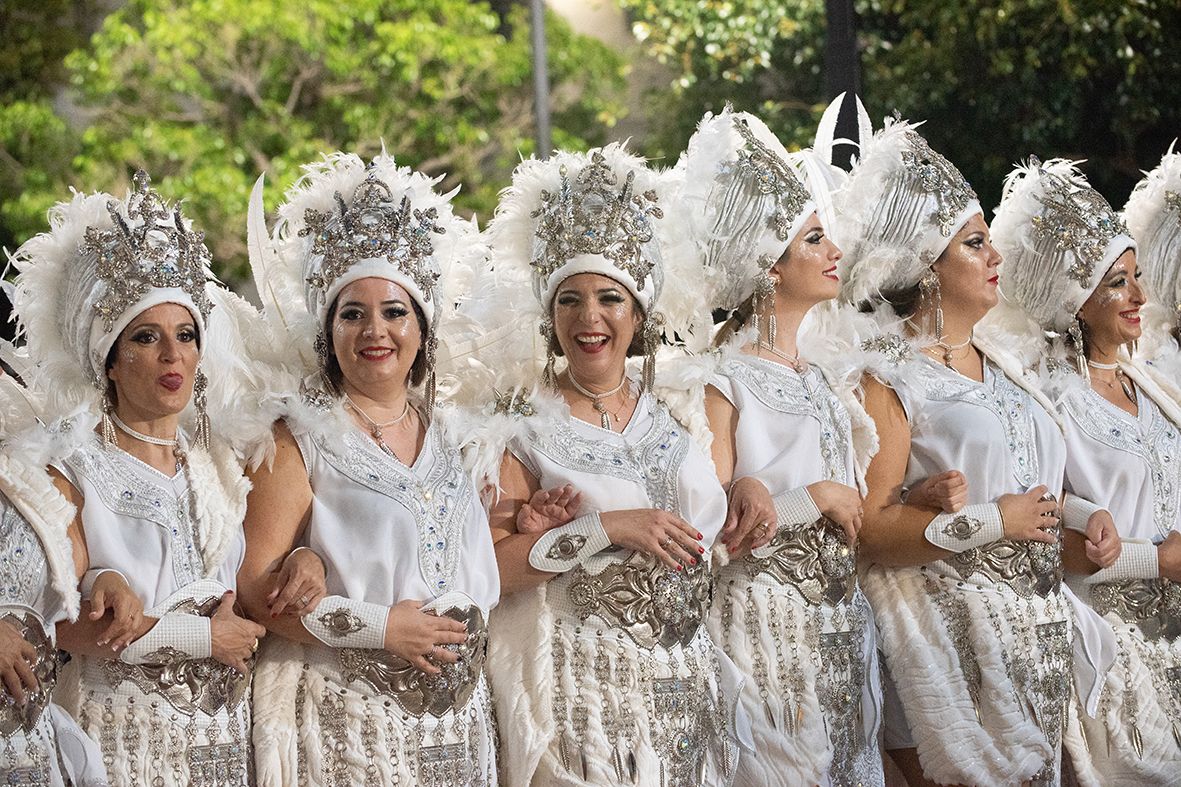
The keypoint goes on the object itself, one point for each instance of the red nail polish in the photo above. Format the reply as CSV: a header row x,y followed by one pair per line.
x,y
701,550
699,536
692,561
680,567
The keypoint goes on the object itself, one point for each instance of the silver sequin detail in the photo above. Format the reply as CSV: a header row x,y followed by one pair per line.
x,y
22,560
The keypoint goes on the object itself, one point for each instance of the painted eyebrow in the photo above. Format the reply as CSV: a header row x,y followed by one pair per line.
x,y
602,291
158,327
395,302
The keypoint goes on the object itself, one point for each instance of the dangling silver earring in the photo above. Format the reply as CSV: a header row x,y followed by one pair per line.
x,y
321,348
204,432
929,291
1075,333
108,425
431,350
651,331
548,377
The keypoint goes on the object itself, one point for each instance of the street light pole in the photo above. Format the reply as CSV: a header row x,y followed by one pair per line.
x,y
540,79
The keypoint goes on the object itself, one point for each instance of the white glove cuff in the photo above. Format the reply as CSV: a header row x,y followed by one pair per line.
x,y
795,507
565,547
86,585
1076,512
341,622
1137,560
176,631
973,526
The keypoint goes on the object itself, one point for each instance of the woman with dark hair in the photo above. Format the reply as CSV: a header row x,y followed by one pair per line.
x,y
381,681
1071,267
975,626
115,301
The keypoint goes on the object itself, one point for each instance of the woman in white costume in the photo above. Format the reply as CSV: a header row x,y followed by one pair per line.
x,y
602,666
1071,266
789,612
115,301
1153,215
381,681
39,743
975,628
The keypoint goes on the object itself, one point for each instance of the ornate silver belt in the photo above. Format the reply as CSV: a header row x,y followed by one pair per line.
x,y
814,559
189,685
416,692
1028,567
13,717
652,604
1153,605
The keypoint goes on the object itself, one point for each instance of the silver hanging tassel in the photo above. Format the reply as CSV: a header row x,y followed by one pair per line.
x,y
200,385
432,347
548,377
1075,334
652,331
108,426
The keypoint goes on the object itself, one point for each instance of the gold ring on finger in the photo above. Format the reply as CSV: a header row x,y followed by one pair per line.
x,y
761,527
254,646
664,544
303,601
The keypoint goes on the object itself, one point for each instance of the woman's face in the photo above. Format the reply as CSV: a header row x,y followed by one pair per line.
x,y
375,334
595,319
1112,313
967,270
155,362
807,270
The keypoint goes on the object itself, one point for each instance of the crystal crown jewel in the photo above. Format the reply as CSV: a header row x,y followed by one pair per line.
x,y
590,215
157,252
371,226
772,175
1078,219
937,176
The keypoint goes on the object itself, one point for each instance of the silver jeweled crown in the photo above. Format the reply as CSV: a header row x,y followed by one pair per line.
x,y
1078,219
589,216
372,226
936,175
158,252
772,175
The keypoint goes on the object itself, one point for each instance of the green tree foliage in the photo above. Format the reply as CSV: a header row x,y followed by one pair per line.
x,y
997,80
206,94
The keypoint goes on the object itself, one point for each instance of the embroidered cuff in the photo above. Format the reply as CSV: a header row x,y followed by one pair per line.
x,y
565,547
1076,512
973,526
86,586
175,637
795,507
341,622
1137,560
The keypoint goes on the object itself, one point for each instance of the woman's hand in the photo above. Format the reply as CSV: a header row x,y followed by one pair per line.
x,y
1103,545
1168,556
751,514
549,509
233,638
16,659
1026,515
111,592
665,536
841,504
299,584
947,491
412,634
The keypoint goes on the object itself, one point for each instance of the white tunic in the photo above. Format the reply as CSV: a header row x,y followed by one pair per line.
x,y
386,533
978,645
36,750
791,432
146,525
1131,465
584,696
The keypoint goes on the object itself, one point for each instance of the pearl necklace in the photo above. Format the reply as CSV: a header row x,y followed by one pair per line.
x,y
1120,377
173,442
597,401
375,428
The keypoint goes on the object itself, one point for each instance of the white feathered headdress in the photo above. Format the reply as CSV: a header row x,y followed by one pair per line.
x,y
595,212
899,210
1153,215
103,262
1058,237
